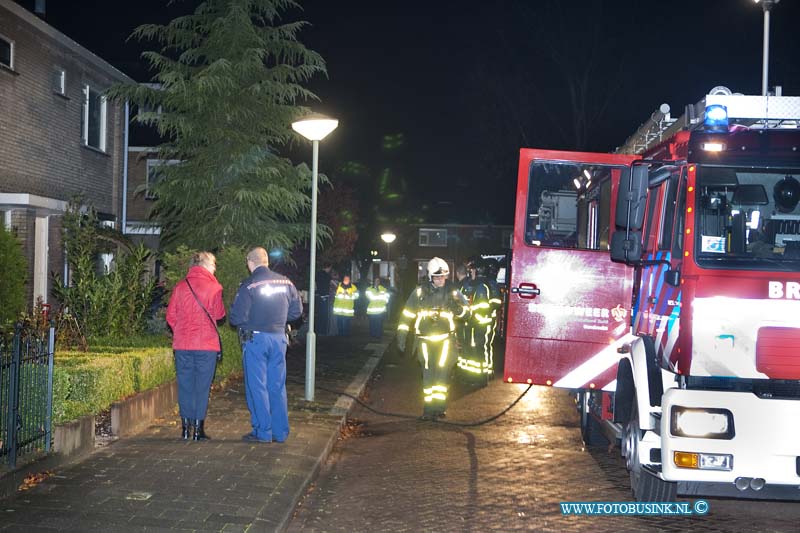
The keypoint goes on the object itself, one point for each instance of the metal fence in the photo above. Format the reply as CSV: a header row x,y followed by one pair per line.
x,y
26,394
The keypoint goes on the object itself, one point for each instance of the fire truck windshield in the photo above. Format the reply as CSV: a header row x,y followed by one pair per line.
x,y
748,218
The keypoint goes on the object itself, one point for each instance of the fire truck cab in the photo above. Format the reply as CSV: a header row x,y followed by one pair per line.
x,y
661,283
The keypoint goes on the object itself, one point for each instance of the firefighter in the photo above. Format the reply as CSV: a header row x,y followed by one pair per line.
x,y
469,358
462,328
344,308
378,302
432,310
484,299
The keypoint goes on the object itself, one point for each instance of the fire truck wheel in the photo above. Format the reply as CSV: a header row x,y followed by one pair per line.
x,y
645,486
591,431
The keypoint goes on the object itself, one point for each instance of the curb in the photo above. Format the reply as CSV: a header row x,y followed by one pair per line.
x,y
342,408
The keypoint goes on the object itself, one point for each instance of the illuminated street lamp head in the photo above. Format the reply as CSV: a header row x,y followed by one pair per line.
x,y
315,126
388,238
766,5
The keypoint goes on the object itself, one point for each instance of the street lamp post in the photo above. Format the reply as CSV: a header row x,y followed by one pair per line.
x,y
314,127
767,6
389,238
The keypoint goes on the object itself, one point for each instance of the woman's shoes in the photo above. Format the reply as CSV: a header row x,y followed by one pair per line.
x,y
199,431
186,429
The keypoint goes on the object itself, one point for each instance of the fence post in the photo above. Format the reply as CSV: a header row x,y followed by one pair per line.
x,y
13,397
51,344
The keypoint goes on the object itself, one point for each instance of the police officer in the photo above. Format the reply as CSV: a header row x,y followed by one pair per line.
x,y
264,303
378,298
344,308
432,310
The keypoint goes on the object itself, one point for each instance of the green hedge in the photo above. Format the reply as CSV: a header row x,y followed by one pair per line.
x,y
87,383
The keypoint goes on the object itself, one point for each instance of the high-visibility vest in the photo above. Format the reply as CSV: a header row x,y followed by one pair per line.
x,y
378,300
344,301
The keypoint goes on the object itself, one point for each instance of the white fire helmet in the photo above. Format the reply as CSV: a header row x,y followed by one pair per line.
x,y
438,267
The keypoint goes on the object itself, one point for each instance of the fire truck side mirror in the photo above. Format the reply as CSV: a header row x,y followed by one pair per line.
x,y
631,198
672,278
626,249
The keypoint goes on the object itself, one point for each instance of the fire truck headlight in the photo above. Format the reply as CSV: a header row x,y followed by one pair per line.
x,y
716,118
701,423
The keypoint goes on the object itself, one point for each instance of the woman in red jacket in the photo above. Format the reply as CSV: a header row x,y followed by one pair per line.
x,y
193,311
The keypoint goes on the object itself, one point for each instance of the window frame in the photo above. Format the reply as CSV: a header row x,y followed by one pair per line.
x,y
59,80
87,91
11,46
426,232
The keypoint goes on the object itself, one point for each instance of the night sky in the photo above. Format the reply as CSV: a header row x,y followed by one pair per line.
x,y
468,83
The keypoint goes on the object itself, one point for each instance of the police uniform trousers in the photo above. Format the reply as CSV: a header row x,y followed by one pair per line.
x,y
194,370
322,318
376,324
436,358
265,385
343,324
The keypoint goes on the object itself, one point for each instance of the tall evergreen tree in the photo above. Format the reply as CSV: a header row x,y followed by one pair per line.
x,y
230,82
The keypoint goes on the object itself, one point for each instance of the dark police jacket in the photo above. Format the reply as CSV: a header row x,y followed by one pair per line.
x,y
265,302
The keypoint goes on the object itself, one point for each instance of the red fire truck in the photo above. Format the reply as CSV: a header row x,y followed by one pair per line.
x,y
661,283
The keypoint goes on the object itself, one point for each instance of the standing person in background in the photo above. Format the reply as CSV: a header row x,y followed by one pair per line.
x,y
344,308
378,298
194,308
462,328
265,302
323,302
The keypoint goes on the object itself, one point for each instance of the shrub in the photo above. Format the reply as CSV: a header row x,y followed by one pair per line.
x,y
109,303
87,383
13,274
231,270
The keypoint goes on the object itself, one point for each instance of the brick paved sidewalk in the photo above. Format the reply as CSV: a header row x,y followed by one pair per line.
x,y
156,482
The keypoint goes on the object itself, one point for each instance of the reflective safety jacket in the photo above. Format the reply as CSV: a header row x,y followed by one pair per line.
x,y
432,312
484,298
345,299
378,300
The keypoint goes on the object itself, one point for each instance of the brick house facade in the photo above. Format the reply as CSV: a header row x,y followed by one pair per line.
x,y
58,138
455,243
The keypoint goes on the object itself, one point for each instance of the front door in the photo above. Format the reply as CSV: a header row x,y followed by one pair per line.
x,y
569,305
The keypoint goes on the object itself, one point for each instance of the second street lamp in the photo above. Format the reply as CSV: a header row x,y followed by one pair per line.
x,y
314,127
388,238
767,6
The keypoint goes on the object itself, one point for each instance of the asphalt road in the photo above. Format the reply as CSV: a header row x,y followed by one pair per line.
x,y
397,474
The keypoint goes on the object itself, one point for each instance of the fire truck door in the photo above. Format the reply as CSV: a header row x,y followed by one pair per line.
x,y
569,304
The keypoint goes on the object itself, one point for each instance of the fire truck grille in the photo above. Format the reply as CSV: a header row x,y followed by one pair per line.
x,y
778,352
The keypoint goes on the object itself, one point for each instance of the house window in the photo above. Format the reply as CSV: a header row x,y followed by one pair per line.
x,y
6,52
149,108
60,81
433,237
154,175
94,118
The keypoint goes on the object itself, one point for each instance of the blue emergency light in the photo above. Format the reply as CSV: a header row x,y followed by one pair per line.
x,y
716,118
